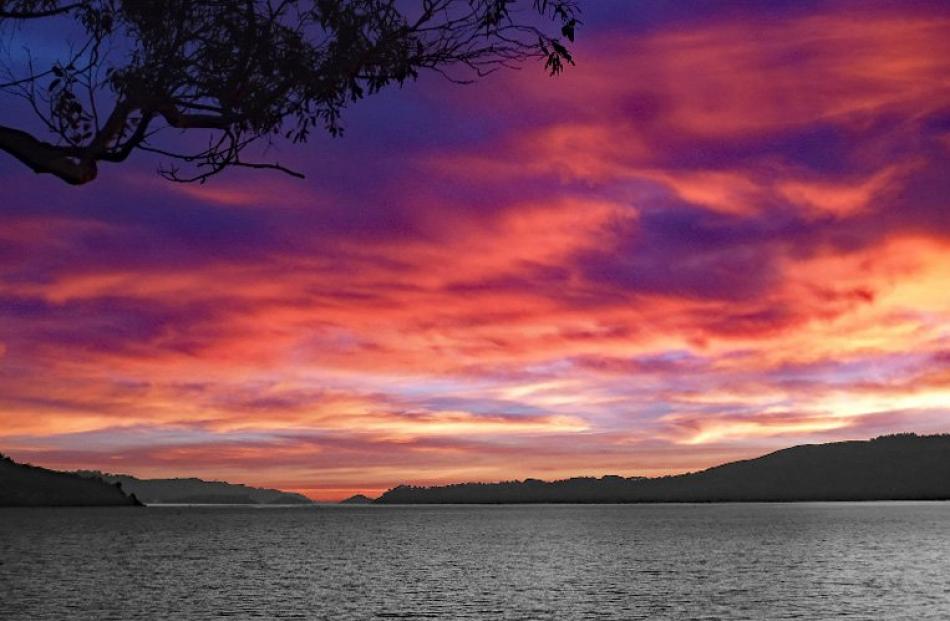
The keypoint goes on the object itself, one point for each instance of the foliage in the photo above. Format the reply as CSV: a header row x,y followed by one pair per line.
x,y
246,70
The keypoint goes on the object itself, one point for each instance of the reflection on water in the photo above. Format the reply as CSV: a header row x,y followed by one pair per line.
x,y
744,561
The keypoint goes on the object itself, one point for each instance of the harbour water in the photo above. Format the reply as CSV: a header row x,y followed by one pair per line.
x,y
717,561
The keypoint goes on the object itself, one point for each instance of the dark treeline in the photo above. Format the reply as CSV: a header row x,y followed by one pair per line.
x,y
22,485
196,491
895,467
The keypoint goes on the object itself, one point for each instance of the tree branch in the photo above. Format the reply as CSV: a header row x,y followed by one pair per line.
x,y
43,157
179,120
59,10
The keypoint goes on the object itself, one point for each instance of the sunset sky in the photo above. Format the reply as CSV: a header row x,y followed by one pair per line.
x,y
725,231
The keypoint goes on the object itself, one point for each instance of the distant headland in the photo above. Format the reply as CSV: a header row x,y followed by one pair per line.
x,y
197,491
894,467
23,485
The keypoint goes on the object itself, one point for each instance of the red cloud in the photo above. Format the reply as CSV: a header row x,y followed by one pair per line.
x,y
630,262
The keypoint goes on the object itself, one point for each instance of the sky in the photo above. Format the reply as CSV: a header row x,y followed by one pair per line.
x,y
724,232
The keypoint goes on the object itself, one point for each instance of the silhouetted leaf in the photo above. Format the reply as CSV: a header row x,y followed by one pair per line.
x,y
568,30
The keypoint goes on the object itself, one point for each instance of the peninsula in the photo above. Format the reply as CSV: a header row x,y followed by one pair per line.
x,y
895,467
197,491
22,485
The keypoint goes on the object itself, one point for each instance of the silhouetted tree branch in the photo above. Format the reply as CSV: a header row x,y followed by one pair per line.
x,y
246,70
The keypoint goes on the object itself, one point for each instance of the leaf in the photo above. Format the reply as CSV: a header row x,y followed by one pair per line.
x,y
568,30
562,52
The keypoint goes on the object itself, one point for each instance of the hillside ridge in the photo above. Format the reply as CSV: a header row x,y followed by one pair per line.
x,y
894,467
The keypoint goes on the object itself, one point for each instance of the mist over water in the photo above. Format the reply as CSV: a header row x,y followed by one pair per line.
x,y
740,561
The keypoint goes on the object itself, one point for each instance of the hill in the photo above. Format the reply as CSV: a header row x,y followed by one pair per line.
x,y
22,485
196,491
896,467
357,499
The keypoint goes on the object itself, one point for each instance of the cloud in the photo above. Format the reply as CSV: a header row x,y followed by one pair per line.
x,y
714,237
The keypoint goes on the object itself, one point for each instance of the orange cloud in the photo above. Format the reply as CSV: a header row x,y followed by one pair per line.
x,y
727,235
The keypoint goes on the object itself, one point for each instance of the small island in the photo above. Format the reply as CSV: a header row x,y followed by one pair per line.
x,y
357,499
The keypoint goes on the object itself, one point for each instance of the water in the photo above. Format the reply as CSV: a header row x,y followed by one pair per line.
x,y
748,561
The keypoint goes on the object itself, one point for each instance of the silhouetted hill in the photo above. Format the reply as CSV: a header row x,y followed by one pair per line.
x,y
197,491
23,485
357,499
897,467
